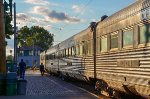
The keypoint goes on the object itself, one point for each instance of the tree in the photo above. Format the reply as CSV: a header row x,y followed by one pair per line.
x,y
8,19
8,26
10,57
37,35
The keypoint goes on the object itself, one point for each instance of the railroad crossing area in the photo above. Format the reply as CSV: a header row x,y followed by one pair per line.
x,y
50,87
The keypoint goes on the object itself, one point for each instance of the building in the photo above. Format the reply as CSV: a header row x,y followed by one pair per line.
x,y
26,53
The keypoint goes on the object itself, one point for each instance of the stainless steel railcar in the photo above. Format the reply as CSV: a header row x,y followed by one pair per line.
x,y
115,52
124,64
67,58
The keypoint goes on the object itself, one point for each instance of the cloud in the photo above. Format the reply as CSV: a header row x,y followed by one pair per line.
x,y
47,27
53,16
77,8
25,19
40,10
22,16
37,2
22,19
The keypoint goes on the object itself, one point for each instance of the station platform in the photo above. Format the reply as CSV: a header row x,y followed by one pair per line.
x,y
50,87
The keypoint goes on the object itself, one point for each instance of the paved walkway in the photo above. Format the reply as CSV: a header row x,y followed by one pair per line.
x,y
50,87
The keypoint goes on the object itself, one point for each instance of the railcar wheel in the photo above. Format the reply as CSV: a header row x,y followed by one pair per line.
x,y
102,88
62,77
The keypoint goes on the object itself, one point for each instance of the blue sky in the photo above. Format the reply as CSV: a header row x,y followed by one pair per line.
x,y
64,18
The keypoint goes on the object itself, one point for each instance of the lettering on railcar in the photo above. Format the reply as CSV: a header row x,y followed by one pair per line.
x,y
69,63
128,63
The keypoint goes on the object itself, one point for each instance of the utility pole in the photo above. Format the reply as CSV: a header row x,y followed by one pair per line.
x,y
58,56
33,56
2,41
93,28
15,32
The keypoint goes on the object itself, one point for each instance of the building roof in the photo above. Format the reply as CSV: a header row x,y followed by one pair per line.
x,y
30,48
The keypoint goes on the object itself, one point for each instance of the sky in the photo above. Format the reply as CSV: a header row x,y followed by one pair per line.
x,y
63,18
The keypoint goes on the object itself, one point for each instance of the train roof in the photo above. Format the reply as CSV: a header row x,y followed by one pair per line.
x,y
52,49
72,39
123,13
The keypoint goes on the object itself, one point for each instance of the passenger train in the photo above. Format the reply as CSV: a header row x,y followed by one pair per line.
x,y
114,51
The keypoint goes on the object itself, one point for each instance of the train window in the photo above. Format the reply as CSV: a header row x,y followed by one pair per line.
x,y
66,52
78,50
59,54
62,53
69,51
90,47
81,49
97,45
128,38
73,50
114,40
85,48
76,53
54,56
49,56
104,44
46,57
144,33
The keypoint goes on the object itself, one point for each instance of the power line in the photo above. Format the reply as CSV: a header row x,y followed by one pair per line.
x,y
83,8
61,28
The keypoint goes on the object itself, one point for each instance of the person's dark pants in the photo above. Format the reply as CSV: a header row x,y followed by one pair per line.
x,y
42,72
22,74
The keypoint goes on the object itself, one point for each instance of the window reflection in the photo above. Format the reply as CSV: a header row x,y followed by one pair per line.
x,y
128,38
104,44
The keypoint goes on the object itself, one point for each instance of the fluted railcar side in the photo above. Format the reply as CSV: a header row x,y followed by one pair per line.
x,y
123,51
51,60
72,54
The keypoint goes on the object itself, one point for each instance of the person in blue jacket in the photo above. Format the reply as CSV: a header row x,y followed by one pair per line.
x,y
22,67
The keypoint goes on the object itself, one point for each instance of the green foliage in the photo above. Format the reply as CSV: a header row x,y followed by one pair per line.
x,y
8,19
37,35
6,6
9,57
8,26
